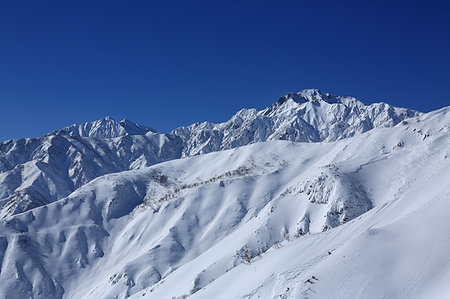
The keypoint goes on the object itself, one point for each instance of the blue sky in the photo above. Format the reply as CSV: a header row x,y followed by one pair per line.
x,y
171,63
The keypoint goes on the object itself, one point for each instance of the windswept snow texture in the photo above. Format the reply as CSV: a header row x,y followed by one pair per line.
x,y
360,217
38,171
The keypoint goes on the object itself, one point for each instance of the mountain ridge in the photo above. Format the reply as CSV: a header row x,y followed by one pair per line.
x,y
105,127
60,162
300,117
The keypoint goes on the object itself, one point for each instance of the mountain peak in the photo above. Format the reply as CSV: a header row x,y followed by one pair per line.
x,y
105,127
313,96
107,118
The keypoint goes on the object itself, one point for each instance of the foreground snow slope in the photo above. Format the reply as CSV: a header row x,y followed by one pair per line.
x,y
398,249
366,216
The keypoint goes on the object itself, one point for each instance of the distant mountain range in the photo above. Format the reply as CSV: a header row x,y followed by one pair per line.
x,y
37,171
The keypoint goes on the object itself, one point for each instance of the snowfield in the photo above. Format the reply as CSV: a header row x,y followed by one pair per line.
x,y
358,215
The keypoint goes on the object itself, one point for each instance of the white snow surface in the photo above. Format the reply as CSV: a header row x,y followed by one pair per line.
x,y
359,217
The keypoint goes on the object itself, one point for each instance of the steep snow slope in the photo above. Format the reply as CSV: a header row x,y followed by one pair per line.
x,y
258,220
37,171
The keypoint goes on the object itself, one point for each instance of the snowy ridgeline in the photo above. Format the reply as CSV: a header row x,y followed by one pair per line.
x,y
364,217
38,171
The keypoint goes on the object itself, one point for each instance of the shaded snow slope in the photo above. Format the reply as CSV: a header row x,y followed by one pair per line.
x,y
37,171
255,221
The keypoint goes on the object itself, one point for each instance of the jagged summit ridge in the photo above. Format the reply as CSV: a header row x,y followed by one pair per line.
x,y
306,116
105,127
296,110
311,95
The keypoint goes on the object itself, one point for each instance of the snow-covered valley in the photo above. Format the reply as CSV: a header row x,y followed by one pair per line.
x,y
316,196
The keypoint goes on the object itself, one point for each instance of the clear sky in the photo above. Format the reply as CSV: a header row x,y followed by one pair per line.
x,y
171,63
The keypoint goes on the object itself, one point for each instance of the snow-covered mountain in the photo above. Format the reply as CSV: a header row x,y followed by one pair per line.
x,y
363,215
37,171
